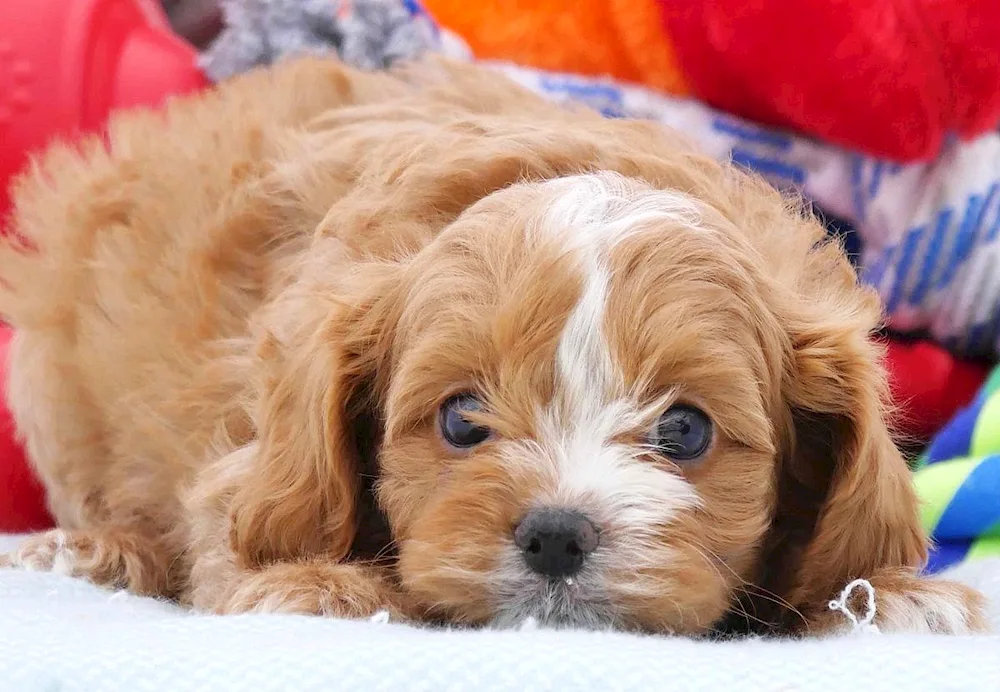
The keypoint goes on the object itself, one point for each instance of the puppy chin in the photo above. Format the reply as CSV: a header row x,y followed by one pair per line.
x,y
577,602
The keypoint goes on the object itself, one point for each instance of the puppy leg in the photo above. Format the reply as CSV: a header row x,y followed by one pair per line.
x,y
117,559
311,588
905,602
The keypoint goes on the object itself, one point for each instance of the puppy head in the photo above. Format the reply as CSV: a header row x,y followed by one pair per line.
x,y
601,403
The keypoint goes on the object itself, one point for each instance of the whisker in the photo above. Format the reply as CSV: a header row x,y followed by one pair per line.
x,y
751,589
384,551
714,563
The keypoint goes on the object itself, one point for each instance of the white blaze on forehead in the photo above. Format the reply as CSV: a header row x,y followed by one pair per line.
x,y
590,215
599,210
588,376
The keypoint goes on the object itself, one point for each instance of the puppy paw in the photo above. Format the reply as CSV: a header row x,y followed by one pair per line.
x,y
931,605
52,551
118,560
908,603
312,588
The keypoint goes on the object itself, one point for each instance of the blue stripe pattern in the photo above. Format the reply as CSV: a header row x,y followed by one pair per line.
x,y
941,556
751,135
953,441
995,228
857,187
873,273
876,181
605,98
974,507
767,166
906,258
929,259
966,237
932,255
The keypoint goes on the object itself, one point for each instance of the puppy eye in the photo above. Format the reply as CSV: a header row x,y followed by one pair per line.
x,y
456,428
683,433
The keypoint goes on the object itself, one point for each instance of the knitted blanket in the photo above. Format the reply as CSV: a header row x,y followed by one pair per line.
x,y
63,634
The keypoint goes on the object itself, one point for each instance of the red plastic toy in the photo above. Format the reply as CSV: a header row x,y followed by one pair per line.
x,y
64,66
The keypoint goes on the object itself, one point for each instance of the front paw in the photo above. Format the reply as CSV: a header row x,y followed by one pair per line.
x,y
938,606
312,588
51,551
115,559
908,603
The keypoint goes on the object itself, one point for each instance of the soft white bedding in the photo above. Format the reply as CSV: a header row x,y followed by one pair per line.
x,y
62,634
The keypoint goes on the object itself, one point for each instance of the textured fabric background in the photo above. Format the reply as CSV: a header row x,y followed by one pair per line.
x,y
63,634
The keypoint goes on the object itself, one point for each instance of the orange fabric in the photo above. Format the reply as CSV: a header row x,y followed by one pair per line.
x,y
622,39
643,39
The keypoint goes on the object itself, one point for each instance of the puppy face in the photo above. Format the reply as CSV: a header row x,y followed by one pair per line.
x,y
580,410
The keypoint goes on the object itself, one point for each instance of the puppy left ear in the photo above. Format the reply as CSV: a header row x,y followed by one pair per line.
x,y
846,506
315,363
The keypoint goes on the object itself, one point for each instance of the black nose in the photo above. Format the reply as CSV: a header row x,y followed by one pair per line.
x,y
555,542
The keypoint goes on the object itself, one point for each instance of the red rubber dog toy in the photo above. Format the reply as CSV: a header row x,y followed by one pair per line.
x,y
64,66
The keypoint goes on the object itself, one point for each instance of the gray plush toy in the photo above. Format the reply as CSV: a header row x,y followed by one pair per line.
x,y
369,34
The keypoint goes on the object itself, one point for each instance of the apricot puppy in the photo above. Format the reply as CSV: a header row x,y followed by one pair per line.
x,y
330,342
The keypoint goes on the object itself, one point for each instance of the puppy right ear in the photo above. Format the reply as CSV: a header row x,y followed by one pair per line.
x,y
315,363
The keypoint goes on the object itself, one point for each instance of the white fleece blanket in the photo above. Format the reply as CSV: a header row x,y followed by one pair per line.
x,y
62,634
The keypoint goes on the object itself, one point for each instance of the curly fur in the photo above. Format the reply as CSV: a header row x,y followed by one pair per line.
x,y
236,322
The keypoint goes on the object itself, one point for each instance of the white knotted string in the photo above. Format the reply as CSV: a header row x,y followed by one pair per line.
x,y
866,625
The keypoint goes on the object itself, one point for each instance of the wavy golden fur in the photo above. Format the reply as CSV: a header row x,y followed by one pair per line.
x,y
237,323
